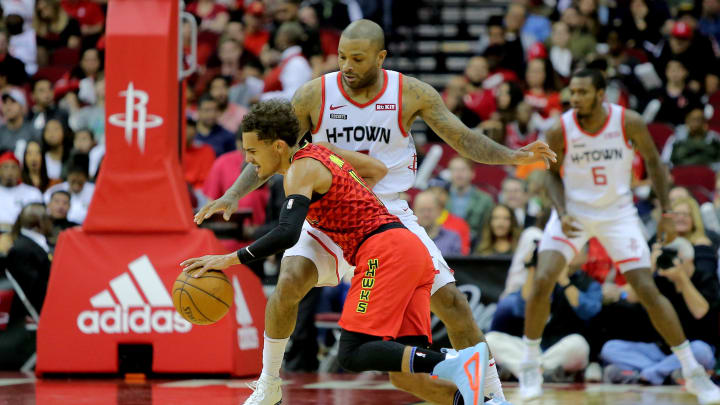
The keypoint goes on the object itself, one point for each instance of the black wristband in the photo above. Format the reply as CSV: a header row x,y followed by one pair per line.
x,y
244,255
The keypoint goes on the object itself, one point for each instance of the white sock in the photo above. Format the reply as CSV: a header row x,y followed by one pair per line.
x,y
532,350
493,389
273,353
686,357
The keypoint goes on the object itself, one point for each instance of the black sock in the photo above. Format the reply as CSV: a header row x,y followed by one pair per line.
x,y
424,360
458,398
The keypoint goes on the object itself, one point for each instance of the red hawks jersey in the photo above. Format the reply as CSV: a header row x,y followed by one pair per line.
x,y
349,211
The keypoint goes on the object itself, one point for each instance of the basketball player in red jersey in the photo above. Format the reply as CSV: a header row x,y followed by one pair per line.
x,y
386,318
366,108
592,197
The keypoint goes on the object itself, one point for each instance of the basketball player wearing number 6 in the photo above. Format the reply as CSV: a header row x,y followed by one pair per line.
x,y
366,108
595,142
386,317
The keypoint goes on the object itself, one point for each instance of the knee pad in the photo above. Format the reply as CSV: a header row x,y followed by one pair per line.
x,y
348,353
346,358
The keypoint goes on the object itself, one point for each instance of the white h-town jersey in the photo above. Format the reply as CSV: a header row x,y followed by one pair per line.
x,y
597,168
374,128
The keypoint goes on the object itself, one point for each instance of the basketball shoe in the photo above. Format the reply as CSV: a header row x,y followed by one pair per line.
x,y
699,384
466,368
267,391
530,380
497,401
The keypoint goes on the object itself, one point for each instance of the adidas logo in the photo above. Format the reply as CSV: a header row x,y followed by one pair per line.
x,y
131,313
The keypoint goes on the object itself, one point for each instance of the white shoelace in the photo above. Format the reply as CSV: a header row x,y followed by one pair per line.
x,y
257,387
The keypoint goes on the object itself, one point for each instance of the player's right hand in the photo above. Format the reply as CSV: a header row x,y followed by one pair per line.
x,y
224,204
570,226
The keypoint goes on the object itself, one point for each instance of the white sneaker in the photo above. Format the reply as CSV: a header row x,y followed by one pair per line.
x,y
530,380
593,372
698,383
268,391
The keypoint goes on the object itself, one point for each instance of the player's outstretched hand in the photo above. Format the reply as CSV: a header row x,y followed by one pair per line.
x,y
224,204
209,262
569,226
537,151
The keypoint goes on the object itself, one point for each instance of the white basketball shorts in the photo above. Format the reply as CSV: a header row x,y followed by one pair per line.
x,y
622,238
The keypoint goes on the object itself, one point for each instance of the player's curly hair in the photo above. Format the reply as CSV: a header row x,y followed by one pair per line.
x,y
271,120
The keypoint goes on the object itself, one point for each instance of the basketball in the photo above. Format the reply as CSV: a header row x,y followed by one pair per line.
x,y
203,300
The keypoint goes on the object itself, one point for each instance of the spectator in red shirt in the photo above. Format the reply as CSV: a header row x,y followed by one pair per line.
x,y
198,158
480,100
454,95
541,93
88,13
213,16
255,35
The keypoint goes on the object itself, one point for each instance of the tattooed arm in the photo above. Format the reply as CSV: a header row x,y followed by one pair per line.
x,y
305,102
424,101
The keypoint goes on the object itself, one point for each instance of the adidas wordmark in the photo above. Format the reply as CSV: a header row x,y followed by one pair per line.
x,y
132,313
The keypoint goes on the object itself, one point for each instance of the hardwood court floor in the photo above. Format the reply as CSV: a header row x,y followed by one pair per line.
x,y
300,389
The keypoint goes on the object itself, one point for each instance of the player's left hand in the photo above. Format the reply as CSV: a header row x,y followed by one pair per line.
x,y
666,232
537,151
199,265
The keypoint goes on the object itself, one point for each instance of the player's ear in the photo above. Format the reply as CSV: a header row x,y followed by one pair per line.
x,y
278,145
381,58
600,93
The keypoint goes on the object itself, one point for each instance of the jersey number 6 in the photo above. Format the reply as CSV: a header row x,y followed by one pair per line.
x,y
599,177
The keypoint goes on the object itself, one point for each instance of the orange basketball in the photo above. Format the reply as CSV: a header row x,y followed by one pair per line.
x,y
203,300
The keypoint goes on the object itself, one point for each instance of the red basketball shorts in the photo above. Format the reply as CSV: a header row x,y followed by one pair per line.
x,y
389,294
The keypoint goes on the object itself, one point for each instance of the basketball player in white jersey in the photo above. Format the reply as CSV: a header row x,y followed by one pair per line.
x,y
595,142
366,108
